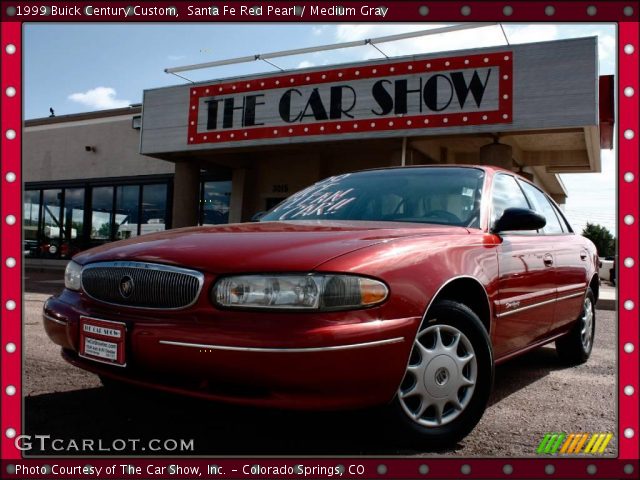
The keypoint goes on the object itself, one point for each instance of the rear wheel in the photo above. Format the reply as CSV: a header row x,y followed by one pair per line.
x,y
448,379
575,347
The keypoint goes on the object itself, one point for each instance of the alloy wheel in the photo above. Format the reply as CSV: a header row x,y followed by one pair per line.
x,y
586,331
440,378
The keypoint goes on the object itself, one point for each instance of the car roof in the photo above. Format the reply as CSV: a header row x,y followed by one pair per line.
x,y
487,168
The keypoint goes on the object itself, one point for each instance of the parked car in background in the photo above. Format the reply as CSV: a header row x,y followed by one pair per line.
x,y
129,230
400,287
607,270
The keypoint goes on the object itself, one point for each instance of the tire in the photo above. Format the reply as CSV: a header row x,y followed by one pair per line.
x,y
575,347
435,379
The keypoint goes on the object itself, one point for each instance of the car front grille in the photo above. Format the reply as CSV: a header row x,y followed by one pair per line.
x,y
142,285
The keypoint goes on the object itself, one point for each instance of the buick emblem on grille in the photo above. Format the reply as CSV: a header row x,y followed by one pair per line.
x,y
126,286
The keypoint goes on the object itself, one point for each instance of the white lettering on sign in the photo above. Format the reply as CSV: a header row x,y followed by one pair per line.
x,y
107,332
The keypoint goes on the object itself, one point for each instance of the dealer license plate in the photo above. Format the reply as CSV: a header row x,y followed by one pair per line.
x,y
102,340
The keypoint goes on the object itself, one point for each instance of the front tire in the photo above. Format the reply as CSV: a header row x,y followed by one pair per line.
x,y
575,347
449,377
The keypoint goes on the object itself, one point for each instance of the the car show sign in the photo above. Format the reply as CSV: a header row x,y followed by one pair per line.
x,y
441,92
487,90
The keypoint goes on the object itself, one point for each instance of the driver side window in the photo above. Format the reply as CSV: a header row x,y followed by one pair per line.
x,y
506,194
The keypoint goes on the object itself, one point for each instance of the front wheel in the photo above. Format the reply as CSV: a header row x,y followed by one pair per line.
x,y
575,347
449,377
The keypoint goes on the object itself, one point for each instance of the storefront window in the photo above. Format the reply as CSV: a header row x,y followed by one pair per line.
x,y
31,219
214,204
60,222
52,221
73,222
101,210
127,211
154,208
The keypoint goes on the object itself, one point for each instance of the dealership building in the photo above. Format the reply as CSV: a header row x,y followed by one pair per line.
x,y
220,151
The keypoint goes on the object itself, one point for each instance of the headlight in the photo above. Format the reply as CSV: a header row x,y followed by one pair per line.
x,y
302,292
72,276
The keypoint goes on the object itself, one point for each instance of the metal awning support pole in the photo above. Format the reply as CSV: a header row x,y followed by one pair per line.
x,y
334,46
404,152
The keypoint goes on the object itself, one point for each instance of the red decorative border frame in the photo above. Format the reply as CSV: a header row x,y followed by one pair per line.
x,y
504,114
11,237
625,466
628,238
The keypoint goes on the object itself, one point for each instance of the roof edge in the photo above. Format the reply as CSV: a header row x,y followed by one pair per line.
x,y
74,117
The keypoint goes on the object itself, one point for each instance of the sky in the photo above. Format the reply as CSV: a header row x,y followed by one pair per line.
x,y
79,67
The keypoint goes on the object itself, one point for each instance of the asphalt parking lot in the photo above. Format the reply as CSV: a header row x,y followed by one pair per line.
x,y
533,395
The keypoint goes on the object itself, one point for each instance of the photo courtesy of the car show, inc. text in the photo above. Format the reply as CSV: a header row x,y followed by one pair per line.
x,y
267,240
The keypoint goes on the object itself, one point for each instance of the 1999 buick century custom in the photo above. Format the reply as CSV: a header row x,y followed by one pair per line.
x,y
400,287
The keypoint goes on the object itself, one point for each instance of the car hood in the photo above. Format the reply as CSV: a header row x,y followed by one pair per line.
x,y
259,247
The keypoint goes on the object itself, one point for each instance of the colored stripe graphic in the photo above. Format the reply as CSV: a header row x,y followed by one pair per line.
x,y
567,442
591,442
573,443
543,443
550,443
596,446
581,442
606,441
558,442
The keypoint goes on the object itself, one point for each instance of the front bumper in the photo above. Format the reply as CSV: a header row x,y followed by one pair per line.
x,y
351,360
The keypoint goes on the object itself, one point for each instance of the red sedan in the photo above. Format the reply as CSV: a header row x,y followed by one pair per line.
x,y
400,287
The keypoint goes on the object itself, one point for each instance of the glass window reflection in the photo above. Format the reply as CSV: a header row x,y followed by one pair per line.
x,y
52,222
127,208
214,205
102,207
73,221
31,220
154,208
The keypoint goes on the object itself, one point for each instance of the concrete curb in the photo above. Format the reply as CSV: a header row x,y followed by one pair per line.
x,y
606,304
42,265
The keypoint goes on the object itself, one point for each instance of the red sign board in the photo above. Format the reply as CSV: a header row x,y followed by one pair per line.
x,y
409,95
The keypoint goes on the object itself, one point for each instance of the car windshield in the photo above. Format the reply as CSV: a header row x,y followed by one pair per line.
x,y
442,195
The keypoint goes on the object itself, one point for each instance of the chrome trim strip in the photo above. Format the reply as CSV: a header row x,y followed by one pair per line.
x,y
566,297
527,297
146,266
54,319
539,304
528,307
574,286
284,350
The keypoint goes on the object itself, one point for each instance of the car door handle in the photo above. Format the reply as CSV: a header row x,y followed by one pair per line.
x,y
548,260
583,255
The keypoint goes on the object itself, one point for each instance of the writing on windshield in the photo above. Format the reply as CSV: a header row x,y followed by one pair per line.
x,y
320,199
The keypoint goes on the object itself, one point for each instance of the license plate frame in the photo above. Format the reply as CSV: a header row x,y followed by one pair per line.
x,y
98,335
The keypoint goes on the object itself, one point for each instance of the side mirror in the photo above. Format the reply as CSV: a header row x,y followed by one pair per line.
x,y
256,217
519,219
